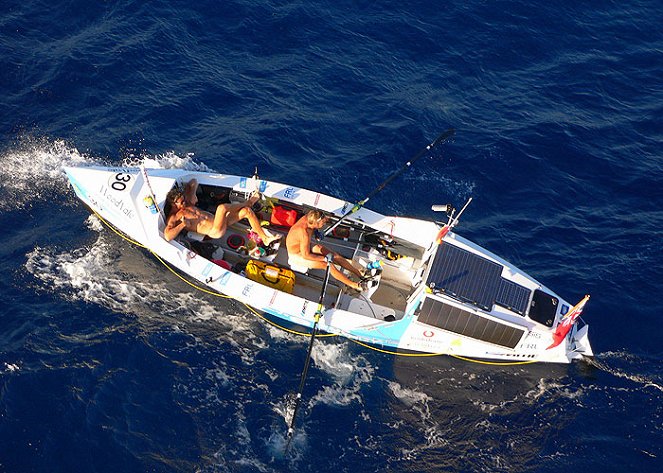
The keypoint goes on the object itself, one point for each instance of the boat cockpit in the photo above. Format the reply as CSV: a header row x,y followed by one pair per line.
x,y
396,277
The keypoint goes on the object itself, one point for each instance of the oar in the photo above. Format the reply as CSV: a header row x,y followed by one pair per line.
x,y
318,313
440,139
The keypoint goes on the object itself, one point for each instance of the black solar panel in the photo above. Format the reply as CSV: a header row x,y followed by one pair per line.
x,y
453,319
512,296
475,279
465,275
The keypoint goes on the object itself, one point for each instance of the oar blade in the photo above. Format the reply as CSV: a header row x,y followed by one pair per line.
x,y
444,137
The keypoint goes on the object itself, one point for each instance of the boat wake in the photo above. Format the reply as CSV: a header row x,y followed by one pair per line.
x,y
117,276
603,362
94,274
122,278
350,373
430,429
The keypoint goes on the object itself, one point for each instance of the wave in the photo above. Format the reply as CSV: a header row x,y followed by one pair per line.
x,y
635,362
167,160
32,169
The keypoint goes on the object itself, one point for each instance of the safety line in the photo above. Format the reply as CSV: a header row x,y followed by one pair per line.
x,y
305,334
116,231
471,360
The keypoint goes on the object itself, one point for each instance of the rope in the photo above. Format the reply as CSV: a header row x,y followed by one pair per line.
x,y
304,334
495,363
195,286
122,235
365,345
419,355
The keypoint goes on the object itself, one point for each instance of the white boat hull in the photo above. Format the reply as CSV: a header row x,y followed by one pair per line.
x,y
429,318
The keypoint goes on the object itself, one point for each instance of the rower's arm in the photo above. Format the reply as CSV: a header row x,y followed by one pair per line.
x,y
173,228
190,190
305,249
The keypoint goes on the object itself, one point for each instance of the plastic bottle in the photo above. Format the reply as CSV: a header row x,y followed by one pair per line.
x,y
149,203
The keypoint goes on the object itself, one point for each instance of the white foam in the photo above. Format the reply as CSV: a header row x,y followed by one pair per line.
x,y
281,335
645,381
110,276
32,170
167,160
336,395
349,371
419,403
334,359
11,367
285,408
408,396
93,223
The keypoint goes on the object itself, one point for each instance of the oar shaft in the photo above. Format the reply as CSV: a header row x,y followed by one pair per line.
x,y
302,382
149,187
455,220
443,137
440,139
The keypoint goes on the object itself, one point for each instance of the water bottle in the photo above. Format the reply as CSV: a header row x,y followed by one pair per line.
x,y
149,203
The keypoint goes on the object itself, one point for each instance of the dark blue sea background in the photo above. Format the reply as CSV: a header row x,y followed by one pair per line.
x,y
109,362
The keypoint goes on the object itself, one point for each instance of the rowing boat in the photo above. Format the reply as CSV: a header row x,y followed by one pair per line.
x,y
432,291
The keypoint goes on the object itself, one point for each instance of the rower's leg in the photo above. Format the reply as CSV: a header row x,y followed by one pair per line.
x,y
220,221
254,222
190,190
335,273
338,259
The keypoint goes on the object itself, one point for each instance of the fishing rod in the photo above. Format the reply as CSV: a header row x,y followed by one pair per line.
x,y
440,139
318,313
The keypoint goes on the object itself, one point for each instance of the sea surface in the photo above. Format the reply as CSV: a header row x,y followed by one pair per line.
x,y
110,363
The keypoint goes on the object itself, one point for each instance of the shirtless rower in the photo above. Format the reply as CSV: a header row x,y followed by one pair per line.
x,y
184,215
300,252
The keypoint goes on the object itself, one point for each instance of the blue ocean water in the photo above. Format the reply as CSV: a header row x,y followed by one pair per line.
x,y
110,363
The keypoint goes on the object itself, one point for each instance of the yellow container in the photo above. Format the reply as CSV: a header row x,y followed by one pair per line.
x,y
279,278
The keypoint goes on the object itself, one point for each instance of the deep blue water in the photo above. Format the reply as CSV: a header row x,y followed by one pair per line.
x,y
110,363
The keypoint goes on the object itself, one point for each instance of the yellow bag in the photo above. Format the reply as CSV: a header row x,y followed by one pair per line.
x,y
279,278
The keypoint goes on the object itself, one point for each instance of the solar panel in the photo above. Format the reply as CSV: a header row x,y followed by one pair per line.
x,y
465,275
447,317
512,296
475,279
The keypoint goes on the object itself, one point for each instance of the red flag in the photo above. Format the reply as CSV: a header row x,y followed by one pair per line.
x,y
442,233
567,322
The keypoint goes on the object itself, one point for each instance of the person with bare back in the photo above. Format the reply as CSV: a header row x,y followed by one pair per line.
x,y
184,215
300,252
